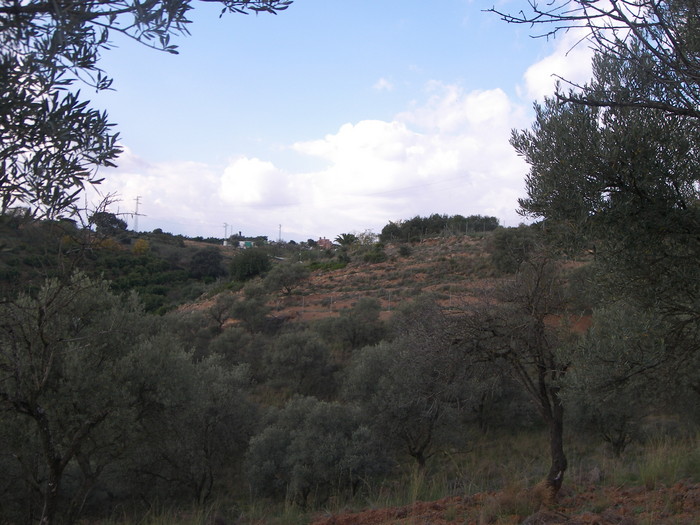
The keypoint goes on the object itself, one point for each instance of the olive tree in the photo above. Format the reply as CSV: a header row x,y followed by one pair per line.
x,y
355,327
520,332
286,277
194,443
93,393
249,263
625,179
619,373
65,356
297,361
310,448
416,388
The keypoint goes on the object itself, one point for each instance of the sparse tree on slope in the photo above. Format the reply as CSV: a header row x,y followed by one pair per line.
x,y
518,333
286,277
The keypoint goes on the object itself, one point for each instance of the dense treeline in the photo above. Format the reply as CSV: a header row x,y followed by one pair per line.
x,y
417,228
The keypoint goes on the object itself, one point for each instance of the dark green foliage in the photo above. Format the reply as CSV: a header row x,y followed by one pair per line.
x,y
355,327
298,362
72,351
414,388
252,310
249,263
191,446
237,346
583,291
375,255
511,246
208,240
405,250
618,372
106,223
103,399
193,328
417,228
286,277
310,448
206,264
156,280
392,232
625,179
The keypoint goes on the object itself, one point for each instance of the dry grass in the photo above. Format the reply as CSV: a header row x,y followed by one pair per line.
x,y
495,482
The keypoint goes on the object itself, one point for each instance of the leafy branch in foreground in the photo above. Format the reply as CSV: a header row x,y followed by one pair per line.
x,y
51,141
658,36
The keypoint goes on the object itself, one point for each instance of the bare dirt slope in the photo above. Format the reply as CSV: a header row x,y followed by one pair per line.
x,y
456,269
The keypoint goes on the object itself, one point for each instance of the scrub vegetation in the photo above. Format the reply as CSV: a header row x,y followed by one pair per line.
x,y
446,370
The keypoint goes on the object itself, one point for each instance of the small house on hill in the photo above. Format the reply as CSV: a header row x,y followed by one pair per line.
x,y
324,243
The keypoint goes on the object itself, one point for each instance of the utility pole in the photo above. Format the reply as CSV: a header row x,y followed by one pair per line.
x,y
137,214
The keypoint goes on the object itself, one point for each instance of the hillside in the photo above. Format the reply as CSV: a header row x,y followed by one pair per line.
x,y
456,270
291,352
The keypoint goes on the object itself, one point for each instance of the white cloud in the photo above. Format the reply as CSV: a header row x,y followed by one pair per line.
x,y
173,194
449,155
383,85
570,60
256,183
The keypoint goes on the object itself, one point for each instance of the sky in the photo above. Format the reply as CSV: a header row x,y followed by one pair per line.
x,y
334,116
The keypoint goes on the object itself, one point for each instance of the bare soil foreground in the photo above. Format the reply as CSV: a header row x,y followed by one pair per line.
x,y
676,505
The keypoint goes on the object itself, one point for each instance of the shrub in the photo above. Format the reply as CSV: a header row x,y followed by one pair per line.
x,y
206,264
298,361
376,255
511,246
312,447
405,250
249,263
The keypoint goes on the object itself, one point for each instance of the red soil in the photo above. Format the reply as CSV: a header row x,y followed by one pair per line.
x,y
677,505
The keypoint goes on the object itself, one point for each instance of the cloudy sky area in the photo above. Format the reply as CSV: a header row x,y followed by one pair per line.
x,y
332,117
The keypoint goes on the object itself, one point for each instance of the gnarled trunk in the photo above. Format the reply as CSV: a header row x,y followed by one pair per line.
x,y
559,463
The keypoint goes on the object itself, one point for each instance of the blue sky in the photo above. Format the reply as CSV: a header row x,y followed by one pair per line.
x,y
331,117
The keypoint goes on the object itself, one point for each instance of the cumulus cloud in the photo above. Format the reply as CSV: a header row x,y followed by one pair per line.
x,y
252,182
570,60
172,194
449,154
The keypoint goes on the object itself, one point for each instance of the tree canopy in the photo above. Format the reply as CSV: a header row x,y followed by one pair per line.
x,y
624,178
660,38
